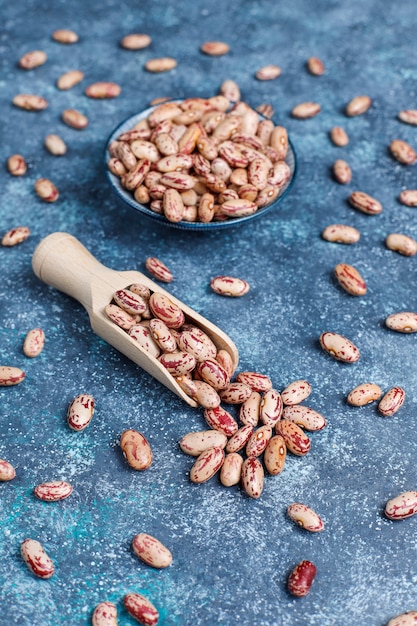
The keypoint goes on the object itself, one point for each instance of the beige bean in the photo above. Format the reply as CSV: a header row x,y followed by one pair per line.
x,y
238,208
255,380
250,410
15,236
136,449
296,392
315,66
266,109
32,59
36,558
403,152
10,375
342,172
403,244
205,395
280,174
341,233
235,393
296,441
268,72
258,172
392,401
105,614
258,441
403,322
69,79
305,110
408,116
173,205
339,347
207,465
405,619
339,136
270,410
358,106
173,162
151,551
46,190
178,363
144,338
230,89
196,342
53,491
305,517
275,455
81,411
402,506
75,119
102,90
16,164
136,175
215,48
226,361
162,64
141,608
167,146
229,286
304,417
123,151
119,316
136,41
365,203
350,279
197,442
30,102
34,342
55,145
189,386
252,477
279,141
363,394
65,35
231,469
408,197
166,310
206,208
7,471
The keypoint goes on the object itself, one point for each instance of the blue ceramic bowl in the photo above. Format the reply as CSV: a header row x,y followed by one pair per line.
x,y
127,196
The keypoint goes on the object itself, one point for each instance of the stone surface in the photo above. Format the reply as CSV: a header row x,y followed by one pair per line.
x,y
232,555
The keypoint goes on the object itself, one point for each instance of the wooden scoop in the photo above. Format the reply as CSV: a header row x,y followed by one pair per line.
x,y
61,261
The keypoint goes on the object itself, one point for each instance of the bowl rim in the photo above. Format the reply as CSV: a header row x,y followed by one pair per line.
x,y
128,198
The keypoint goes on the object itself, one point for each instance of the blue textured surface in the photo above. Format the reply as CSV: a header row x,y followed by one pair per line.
x,y
232,555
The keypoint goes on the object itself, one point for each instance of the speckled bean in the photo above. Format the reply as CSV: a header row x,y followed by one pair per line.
x,y
7,471
305,517
16,164
230,89
408,197
275,455
30,102
341,233
270,410
135,41
255,380
229,286
364,394
403,244
305,110
231,469
342,172
405,619
350,279
339,136
65,35
10,376
365,203
278,140
303,416
178,363
235,393
315,66
136,449
34,342
200,345
55,145
220,419
408,116
301,579
296,441
161,64
215,48
170,313
197,442
32,59
158,269
213,373
144,338
119,316
258,441
402,506
268,72
141,609
239,207
36,558
252,477
391,401
403,152
339,347
46,190
53,491
151,551
81,411
205,395
75,119
68,80
105,614
403,322
15,236
207,465
249,412
296,392
358,105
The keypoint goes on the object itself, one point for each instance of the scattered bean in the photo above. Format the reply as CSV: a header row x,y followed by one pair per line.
x,y
196,443
36,558
158,269
305,517
163,64
405,619
408,116
34,342
141,609
358,106
258,441
102,90
15,236
105,614
271,406
215,48
30,102
341,233
402,506
339,136
403,244
252,477
255,380
207,465
350,279
7,471
296,392
229,286
64,35
403,322
392,401
231,469
268,72
46,190
53,491
220,419
339,347
303,416
301,578
230,89
408,197
135,41
136,449
10,376
403,152
75,119
16,164
69,79
296,441
342,172
80,411
305,110
315,66
55,145
275,455
364,394
32,59
151,551
365,203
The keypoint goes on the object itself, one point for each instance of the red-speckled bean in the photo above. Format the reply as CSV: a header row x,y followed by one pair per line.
x,y
158,269
196,443
207,465
36,558
364,394
339,347
161,64
392,401
341,233
220,419
231,469
166,310
306,110
315,66
296,392
403,244
408,116
252,477
296,441
303,416
15,236
144,338
34,342
229,286
365,203
16,164
403,322
135,41
136,449
30,102
46,190
258,441
178,363
7,471
268,72
32,59
151,551
196,342
105,614
342,172
10,376
350,279
69,79
119,316
205,395
75,119
403,152
65,36
129,301
250,410
215,48
254,380
275,455
80,411
239,440
301,578
270,410
305,517
101,90
53,491
405,619
213,373
141,609
402,506
358,106
235,393
408,197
